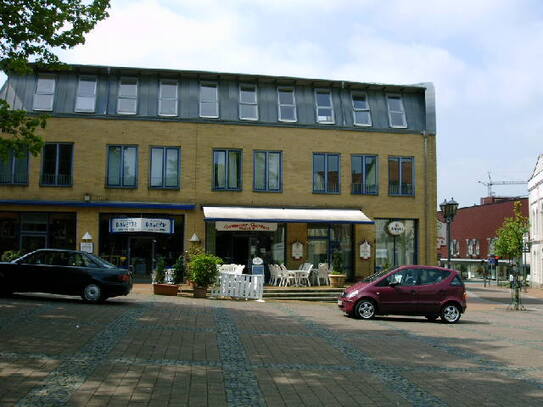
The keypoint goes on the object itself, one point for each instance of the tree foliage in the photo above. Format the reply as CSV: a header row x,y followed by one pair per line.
x,y
29,32
510,242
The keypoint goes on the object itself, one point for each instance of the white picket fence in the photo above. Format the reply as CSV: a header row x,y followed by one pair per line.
x,y
239,286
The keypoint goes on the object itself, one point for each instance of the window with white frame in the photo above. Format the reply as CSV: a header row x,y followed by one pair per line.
x,y
127,101
455,248
323,105
396,111
248,105
167,98
361,109
45,93
286,103
209,100
86,95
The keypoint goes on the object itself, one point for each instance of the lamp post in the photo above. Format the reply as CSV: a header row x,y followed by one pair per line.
x,y
448,209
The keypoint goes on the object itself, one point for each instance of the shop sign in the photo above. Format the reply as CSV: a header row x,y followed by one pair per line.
x,y
245,227
86,247
395,228
365,250
118,225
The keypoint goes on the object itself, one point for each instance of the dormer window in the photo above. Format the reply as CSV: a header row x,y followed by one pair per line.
x,y
86,95
127,102
45,93
209,100
361,109
248,105
167,101
286,104
396,112
324,108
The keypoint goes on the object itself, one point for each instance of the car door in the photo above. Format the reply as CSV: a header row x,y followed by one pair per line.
x,y
432,290
396,294
31,272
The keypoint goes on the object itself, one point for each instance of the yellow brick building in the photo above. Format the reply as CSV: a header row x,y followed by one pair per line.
x,y
134,157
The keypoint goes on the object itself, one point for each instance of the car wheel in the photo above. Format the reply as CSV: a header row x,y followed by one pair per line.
x,y
432,317
450,313
93,293
365,309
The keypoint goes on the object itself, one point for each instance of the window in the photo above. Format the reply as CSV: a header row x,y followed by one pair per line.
x,y
396,112
45,93
401,176
432,276
326,173
248,105
122,165
364,174
227,170
361,109
14,170
392,250
86,95
57,164
267,171
323,103
167,99
209,100
127,103
165,167
286,105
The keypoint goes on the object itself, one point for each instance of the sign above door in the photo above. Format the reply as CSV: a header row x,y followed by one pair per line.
x,y
119,225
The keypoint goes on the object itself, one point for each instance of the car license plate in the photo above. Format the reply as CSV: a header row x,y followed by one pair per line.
x,y
340,302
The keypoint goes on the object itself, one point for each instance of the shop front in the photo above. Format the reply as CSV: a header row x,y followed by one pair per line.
x,y
136,240
396,242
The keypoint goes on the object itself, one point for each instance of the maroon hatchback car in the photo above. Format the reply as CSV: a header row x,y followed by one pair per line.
x,y
408,290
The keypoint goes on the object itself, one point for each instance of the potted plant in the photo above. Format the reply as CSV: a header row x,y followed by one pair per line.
x,y
203,272
160,286
337,277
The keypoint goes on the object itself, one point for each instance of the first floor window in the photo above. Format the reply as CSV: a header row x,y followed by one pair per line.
x,y
267,171
364,174
122,166
227,170
326,173
57,164
14,169
401,176
165,167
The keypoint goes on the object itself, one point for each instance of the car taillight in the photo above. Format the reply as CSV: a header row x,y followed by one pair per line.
x,y
124,277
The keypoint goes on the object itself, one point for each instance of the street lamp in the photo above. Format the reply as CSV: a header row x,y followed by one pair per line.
x,y
448,209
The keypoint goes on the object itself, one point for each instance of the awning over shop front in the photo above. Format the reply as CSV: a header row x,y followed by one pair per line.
x,y
237,214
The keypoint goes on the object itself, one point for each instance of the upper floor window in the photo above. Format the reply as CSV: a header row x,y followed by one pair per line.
x,y
323,104
286,105
227,170
14,169
122,166
361,109
267,171
167,99
209,100
86,94
45,93
165,167
401,176
57,164
248,105
396,112
364,174
127,102
326,176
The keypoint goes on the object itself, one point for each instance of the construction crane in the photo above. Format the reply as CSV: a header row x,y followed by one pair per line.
x,y
491,182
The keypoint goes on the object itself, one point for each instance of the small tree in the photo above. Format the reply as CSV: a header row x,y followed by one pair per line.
x,y
510,244
337,262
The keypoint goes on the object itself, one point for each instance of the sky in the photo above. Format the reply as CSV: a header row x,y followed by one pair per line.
x,y
485,58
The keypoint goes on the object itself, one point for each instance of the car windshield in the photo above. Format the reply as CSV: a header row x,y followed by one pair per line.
x,y
375,276
101,262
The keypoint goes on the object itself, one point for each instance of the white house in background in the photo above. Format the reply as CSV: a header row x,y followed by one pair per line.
x,y
535,201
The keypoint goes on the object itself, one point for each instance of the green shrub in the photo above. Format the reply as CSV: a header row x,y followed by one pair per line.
x,y
179,270
337,263
203,269
10,255
159,274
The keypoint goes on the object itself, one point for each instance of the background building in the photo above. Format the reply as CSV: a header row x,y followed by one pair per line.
x,y
139,161
535,188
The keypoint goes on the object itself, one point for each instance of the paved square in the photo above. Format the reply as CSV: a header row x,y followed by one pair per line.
x,y
145,350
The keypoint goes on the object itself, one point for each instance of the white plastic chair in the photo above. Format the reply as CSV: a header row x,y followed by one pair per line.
x,y
322,273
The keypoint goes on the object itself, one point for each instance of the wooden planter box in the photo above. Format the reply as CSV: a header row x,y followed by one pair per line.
x,y
165,289
337,280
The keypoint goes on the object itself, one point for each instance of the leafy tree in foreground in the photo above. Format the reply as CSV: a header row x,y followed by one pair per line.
x,y
29,30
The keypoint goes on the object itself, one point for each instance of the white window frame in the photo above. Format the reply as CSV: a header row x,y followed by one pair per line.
x,y
216,86
161,98
253,86
329,92
51,93
279,104
119,97
361,93
402,112
77,96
